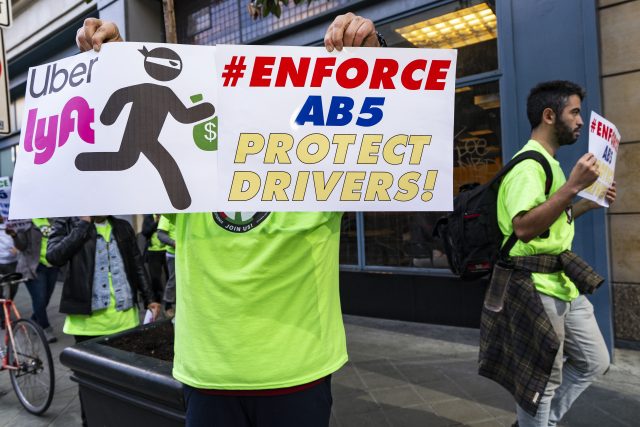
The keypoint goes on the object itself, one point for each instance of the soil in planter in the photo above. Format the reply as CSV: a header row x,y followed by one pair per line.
x,y
156,342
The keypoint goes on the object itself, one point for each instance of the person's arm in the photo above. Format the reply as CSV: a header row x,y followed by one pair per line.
x,y
163,236
64,244
350,30
149,226
530,224
184,114
20,238
141,275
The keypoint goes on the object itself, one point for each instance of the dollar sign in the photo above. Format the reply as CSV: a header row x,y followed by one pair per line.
x,y
210,130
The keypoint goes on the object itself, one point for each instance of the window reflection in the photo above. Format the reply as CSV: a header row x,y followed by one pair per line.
x,y
404,239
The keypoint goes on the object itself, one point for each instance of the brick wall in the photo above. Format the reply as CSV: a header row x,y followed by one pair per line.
x,y
620,67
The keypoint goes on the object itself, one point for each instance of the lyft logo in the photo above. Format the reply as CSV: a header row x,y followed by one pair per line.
x,y
43,135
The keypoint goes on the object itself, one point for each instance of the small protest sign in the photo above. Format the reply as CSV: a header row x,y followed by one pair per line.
x,y
604,140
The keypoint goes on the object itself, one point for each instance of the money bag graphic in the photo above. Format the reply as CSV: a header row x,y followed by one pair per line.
x,y
205,134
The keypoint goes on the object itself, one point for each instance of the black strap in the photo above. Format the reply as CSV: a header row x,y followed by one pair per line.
x,y
540,158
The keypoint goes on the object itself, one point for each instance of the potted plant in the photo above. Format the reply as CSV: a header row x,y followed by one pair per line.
x,y
125,379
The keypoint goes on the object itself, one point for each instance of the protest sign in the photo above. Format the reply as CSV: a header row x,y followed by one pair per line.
x,y
364,129
604,139
5,200
143,127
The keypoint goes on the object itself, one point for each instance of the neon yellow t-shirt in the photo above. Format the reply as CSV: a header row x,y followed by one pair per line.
x,y
45,228
155,245
168,226
522,190
106,321
258,302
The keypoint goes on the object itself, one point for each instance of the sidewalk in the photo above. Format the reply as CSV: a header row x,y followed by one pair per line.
x,y
400,374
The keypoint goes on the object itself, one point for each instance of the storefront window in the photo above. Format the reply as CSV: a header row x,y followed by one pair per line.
x,y
208,22
393,239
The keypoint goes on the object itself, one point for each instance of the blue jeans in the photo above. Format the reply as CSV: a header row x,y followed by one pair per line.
x,y
40,290
582,344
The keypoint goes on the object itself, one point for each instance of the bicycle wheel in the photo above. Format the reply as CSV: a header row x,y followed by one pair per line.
x,y
33,381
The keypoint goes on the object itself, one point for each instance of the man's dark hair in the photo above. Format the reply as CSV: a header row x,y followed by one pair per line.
x,y
554,95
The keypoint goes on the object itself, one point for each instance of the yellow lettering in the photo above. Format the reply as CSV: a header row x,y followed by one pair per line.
x,y
418,142
408,187
244,186
323,190
303,150
249,143
277,148
352,186
379,183
342,143
369,149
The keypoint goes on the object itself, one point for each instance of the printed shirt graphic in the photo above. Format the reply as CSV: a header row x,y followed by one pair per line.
x,y
522,190
107,321
258,309
45,228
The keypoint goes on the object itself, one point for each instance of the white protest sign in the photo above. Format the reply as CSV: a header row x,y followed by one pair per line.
x,y
134,129
128,130
604,139
5,201
5,196
362,129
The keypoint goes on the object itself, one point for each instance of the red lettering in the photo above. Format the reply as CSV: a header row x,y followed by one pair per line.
x,y
599,130
262,67
383,71
407,74
362,71
321,70
437,74
287,68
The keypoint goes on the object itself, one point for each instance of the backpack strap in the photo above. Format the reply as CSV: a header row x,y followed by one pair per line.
x,y
540,158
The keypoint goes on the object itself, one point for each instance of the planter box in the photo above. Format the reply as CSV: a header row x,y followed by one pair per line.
x,y
121,388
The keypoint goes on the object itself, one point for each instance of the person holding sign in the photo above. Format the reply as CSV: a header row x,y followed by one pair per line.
x,y
258,328
546,318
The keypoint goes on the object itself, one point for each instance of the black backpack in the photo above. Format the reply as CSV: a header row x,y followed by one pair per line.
x,y
470,234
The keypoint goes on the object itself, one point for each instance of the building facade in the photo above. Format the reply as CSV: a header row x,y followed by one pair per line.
x,y
391,265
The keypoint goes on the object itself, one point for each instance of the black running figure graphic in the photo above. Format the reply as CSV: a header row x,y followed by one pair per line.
x,y
150,105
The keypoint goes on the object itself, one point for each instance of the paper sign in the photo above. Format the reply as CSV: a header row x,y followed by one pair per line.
x,y
364,129
604,139
142,128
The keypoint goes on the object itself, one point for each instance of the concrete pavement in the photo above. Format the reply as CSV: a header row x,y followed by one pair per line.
x,y
400,374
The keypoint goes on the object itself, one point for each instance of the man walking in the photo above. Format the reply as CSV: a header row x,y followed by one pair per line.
x,y
546,316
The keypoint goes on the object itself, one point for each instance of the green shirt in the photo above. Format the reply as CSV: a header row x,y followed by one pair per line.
x,y
155,245
106,321
166,225
45,228
257,307
522,190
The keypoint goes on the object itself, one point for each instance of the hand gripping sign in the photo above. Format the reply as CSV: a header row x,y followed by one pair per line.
x,y
144,128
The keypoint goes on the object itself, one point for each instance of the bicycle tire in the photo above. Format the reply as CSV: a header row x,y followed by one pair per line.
x,y
34,382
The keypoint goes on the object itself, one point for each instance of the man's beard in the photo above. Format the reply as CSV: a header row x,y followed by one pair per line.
x,y
564,133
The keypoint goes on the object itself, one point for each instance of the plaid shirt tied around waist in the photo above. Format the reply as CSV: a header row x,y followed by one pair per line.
x,y
518,344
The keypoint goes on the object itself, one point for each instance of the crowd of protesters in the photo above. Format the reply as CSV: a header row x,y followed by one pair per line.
x,y
257,315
